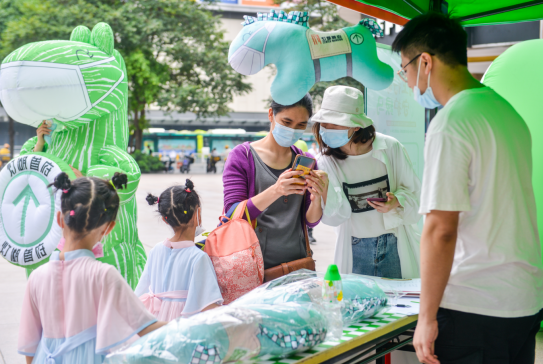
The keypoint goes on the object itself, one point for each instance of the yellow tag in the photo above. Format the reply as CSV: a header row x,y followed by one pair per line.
x,y
305,169
340,296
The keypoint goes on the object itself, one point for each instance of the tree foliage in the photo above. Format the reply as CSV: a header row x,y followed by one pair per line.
x,y
174,50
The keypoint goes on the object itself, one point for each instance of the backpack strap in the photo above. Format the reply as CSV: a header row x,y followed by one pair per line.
x,y
238,213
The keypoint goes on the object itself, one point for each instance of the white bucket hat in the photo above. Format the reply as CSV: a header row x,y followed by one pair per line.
x,y
343,105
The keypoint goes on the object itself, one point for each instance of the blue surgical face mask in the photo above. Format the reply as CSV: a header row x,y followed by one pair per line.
x,y
426,100
285,136
334,138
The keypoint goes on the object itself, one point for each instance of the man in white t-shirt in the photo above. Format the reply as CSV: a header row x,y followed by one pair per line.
x,y
481,269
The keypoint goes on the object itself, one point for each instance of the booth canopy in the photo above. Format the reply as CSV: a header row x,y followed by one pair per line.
x,y
470,13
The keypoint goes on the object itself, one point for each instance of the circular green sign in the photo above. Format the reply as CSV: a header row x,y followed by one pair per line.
x,y
28,229
357,38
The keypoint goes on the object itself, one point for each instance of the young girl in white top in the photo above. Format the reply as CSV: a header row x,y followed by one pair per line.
x,y
76,308
179,279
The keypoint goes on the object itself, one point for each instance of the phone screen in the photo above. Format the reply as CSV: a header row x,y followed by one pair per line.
x,y
303,163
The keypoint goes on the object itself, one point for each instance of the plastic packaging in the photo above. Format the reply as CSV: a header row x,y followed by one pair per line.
x,y
228,334
362,297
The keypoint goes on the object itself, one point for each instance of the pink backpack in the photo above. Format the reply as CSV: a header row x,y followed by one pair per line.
x,y
236,255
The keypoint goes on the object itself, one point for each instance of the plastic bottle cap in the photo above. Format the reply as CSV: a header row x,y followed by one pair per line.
x,y
332,273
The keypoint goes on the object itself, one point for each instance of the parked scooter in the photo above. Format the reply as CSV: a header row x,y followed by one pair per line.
x,y
187,161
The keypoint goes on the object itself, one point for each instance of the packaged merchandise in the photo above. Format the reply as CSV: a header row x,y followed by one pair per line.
x,y
362,297
229,334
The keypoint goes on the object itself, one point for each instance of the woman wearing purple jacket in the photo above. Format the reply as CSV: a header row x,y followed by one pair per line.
x,y
260,172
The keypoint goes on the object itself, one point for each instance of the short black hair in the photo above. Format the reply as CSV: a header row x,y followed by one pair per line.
x,y
177,204
89,202
306,102
437,34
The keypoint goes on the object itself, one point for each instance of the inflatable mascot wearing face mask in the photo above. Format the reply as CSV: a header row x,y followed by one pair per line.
x,y
80,87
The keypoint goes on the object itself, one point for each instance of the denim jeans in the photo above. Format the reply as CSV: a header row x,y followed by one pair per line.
x,y
377,257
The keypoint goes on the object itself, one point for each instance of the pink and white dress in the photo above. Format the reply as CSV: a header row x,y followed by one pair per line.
x,y
75,310
178,280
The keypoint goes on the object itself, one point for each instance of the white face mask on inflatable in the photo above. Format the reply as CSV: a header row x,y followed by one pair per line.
x,y
34,91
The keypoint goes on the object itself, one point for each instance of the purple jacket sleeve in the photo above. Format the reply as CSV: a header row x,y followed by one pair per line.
x,y
237,181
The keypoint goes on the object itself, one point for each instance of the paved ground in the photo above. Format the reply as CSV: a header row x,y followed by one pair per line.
x,y
151,231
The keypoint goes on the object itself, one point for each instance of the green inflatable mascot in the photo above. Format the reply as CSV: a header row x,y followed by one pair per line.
x,y
517,76
80,87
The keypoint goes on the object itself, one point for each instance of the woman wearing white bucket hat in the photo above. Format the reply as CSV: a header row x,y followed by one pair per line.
x,y
374,238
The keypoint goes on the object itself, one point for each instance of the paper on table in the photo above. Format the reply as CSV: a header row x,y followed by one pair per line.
x,y
400,285
413,309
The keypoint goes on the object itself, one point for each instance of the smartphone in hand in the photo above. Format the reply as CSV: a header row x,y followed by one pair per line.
x,y
303,163
376,199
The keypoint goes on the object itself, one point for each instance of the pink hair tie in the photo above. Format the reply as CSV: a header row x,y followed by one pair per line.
x,y
158,200
65,191
72,213
187,190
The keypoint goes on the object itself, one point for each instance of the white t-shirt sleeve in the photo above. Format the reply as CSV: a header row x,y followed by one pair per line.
x,y
445,183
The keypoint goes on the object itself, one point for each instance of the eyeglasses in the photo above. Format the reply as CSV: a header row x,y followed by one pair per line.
x,y
401,72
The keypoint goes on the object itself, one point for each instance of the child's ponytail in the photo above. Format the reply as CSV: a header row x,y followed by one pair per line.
x,y
118,180
177,204
62,182
151,199
189,185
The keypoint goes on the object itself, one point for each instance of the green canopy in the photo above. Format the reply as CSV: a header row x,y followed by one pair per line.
x,y
471,13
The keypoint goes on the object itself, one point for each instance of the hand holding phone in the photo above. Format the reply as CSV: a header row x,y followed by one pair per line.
x,y
304,164
389,203
376,199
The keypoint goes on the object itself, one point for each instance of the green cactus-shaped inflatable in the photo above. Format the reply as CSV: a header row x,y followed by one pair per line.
x,y
79,85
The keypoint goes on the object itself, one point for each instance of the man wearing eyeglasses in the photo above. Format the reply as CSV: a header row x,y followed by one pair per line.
x,y
481,269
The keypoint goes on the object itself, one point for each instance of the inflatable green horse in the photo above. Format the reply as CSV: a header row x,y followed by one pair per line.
x,y
304,56
80,86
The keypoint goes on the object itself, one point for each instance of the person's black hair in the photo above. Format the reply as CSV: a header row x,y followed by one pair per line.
x,y
89,202
177,204
434,33
360,136
306,102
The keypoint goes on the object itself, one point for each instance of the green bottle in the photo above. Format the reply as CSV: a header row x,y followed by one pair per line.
x,y
332,288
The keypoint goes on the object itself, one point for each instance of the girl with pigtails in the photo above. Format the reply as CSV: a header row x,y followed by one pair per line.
x,y
179,278
76,308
